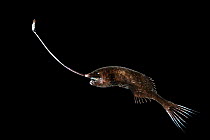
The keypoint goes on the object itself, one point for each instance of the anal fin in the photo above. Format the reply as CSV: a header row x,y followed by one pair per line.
x,y
140,100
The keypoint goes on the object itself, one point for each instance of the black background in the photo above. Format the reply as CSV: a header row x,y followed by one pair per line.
x,y
164,43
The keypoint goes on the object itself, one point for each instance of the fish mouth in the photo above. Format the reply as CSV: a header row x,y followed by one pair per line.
x,y
92,82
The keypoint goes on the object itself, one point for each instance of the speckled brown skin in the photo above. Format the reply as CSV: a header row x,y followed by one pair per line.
x,y
141,86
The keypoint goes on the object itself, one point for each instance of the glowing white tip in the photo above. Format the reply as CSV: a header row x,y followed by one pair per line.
x,y
33,25
33,29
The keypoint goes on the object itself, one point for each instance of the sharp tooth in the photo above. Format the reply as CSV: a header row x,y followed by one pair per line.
x,y
91,82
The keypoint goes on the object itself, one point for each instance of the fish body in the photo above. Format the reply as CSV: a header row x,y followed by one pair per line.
x,y
142,87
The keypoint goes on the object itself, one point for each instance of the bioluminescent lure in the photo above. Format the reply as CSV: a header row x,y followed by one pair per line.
x,y
142,87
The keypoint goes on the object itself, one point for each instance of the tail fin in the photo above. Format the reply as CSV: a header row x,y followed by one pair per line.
x,y
178,113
